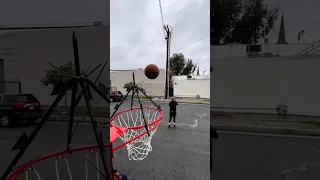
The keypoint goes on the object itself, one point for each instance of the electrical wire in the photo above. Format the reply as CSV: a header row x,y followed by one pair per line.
x,y
192,42
162,19
160,6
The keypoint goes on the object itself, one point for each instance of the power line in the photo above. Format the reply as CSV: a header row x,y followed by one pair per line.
x,y
174,44
160,7
161,12
192,42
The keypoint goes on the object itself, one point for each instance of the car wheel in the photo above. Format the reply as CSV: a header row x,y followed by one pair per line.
x,y
111,99
5,121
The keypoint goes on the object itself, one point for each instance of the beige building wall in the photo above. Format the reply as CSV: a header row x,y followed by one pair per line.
x,y
154,87
26,55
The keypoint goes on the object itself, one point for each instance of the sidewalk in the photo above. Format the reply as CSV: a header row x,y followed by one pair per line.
x,y
264,125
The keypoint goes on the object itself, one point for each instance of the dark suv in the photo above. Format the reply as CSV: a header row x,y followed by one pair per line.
x,y
18,107
116,96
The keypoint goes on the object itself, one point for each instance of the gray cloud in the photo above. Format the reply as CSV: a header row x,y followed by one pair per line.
x,y
298,15
137,28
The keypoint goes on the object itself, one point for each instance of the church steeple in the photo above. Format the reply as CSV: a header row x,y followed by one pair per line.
x,y
282,32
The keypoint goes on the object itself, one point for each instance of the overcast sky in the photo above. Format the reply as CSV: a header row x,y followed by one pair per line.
x,y
17,12
298,15
137,37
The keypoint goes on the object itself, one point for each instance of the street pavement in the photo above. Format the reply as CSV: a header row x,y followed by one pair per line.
x,y
178,153
252,157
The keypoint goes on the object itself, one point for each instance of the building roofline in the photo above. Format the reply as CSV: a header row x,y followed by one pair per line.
x,y
262,44
132,69
53,26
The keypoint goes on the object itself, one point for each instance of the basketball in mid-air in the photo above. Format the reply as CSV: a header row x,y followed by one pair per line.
x,y
151,71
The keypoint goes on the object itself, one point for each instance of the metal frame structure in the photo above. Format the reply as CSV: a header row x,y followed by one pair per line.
x,y
24,141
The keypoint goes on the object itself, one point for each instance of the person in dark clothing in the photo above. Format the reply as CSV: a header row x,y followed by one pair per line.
x,y
119,176
173,111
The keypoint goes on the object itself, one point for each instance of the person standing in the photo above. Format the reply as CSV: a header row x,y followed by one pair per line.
x,y
173,111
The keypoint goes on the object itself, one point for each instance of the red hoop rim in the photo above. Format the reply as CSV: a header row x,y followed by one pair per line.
x,y
24,167
157,121
137,108
62,153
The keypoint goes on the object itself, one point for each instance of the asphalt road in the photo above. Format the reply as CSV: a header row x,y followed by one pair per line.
x,y
262,157
178,153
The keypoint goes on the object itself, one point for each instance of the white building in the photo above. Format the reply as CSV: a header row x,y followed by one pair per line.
x,y
26,53
191,86
257,78
153,87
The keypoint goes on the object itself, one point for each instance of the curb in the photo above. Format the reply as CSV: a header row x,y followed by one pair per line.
x,y
186,102
301,132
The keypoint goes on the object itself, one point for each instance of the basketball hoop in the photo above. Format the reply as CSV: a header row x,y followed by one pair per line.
x,y
133,133
61,158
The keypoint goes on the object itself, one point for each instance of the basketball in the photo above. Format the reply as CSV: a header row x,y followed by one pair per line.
x,y
151,71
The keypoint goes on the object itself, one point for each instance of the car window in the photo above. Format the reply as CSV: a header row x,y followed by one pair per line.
x,y
119,92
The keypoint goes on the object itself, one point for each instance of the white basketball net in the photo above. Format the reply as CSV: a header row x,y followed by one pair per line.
x,y
140,147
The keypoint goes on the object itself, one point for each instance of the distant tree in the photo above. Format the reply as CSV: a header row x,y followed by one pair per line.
x,y
241,21
55,78
179,65
127,86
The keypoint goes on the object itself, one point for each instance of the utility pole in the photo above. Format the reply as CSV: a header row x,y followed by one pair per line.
x,y
168,31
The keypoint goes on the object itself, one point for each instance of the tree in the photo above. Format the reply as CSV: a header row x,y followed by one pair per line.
x,y
127,86
179,65
241,21
55,78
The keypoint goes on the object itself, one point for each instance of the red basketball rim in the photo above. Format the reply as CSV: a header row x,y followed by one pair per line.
x,y
137,108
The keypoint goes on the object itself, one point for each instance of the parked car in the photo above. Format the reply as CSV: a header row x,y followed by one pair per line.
x,y
116,96
18,107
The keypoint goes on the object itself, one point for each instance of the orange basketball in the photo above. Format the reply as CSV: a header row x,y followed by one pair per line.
x,y
151,71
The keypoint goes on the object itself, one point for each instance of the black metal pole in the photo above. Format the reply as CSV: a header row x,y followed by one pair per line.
x,y
95,88
97,134
35,131
167,61
132,88
135,88
149,98
116,108
76,54
71,113
20,89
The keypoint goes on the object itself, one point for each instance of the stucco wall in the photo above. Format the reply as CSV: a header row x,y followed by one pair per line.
x,y
259,84
196,85
27,54
154,87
